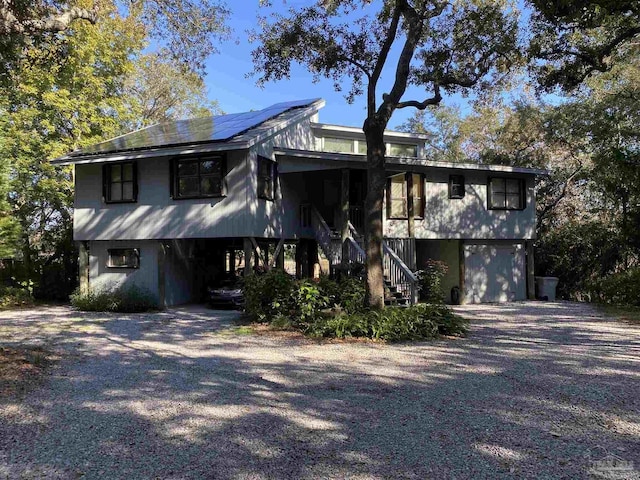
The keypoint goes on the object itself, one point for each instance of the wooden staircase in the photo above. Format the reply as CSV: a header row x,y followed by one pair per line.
x,y
401,284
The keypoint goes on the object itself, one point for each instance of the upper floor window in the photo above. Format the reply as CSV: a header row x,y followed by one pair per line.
x,y
397,196
350,145
338,145
119,182
198,177
506,193
456,186
402,150
266,178
123,258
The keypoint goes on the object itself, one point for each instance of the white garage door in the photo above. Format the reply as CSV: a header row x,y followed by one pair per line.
x,y
494,273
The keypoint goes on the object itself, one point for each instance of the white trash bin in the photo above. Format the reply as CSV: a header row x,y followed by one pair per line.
x,y
546,288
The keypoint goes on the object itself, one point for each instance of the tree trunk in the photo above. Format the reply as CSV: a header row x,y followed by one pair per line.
x,y
376,179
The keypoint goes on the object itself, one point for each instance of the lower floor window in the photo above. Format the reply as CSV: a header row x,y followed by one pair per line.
x,y
123,258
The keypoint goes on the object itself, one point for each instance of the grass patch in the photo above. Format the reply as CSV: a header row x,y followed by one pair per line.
x,y
624,313
22,368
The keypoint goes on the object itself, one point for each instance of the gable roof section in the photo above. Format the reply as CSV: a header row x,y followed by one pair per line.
x,y
237,130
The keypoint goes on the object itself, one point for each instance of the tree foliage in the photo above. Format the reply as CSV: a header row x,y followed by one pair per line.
x,y
160,90
443,47
188,29
578,38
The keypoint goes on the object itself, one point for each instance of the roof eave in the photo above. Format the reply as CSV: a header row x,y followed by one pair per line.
x,y
407,161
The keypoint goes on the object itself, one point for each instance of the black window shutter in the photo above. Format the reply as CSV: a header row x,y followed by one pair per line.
x,y
388,197
134,168
223,171
172,182
523,194
105,182
423,199
276,183
489,196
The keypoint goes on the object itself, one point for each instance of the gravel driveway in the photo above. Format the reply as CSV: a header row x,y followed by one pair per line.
x,y
537,390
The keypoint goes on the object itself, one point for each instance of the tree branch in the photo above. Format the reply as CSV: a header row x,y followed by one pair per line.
x,y
435,100
54,23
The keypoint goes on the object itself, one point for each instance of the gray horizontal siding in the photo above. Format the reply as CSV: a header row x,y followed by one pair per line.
x,y
468,217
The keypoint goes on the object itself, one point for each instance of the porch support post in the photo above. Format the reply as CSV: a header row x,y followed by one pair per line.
x,y
344,227
83,266
410,206
280,258
301,258
312,256
278,255
162,262
462,270
531,286
248,256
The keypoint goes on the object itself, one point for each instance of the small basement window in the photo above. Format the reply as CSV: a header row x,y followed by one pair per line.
x,y
119,182
123,258
456,186
506,194
266,178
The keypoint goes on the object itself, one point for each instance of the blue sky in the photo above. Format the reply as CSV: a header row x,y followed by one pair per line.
x,y
227,83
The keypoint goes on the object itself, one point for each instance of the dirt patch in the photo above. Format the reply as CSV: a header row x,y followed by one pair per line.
x,y
22,368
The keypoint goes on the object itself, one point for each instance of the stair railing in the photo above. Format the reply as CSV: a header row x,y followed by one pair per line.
x,y
356,252
331,248
399,274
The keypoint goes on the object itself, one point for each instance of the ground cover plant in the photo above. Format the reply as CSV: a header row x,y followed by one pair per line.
x,y
336,308
126,299
12,297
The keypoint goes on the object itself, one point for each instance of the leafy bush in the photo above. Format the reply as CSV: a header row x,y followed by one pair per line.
x,y
127,299
430,277
286,303
269,295
15,297
621,288
417,322
578,254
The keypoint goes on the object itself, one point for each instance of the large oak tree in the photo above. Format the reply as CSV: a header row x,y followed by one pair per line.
x,y
442,46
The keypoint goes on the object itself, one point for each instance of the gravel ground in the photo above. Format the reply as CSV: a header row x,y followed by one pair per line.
x,y
537,390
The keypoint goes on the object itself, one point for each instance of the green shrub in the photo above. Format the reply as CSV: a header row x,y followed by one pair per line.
x,y
127,299
430,278
622,288
268,295
286,303
417,322
15,297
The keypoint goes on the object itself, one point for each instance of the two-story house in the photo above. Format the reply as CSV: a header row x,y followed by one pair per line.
x,y
168,206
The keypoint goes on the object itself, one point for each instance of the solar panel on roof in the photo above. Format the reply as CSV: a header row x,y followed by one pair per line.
x,y
199,130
